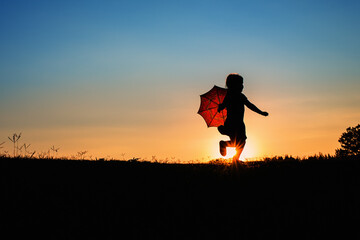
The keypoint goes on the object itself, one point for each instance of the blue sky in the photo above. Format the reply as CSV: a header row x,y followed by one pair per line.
x,y
141,66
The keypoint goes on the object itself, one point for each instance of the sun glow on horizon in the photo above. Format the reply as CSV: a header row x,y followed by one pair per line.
x,y
248,153
230,152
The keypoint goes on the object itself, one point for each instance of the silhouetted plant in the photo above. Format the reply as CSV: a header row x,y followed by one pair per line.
x,y
54,150
1,148
43,155
15,140
134,159
350,142
219,161
81,154
32,154
26,151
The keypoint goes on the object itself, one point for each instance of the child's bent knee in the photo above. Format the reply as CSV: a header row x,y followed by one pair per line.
x,y
222,130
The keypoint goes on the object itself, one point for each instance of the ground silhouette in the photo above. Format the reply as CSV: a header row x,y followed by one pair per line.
x,y
282,198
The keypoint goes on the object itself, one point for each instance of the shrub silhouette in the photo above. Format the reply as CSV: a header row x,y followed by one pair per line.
x,y
350,142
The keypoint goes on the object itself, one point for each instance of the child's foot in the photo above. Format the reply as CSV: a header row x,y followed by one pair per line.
x,y
222,148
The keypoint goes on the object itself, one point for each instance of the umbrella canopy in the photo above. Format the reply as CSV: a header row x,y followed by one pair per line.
x,y
209,106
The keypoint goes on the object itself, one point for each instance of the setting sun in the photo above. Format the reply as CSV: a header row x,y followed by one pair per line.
x,y
230,152
249,152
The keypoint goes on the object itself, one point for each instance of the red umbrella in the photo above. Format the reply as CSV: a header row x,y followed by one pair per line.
x,y
209,106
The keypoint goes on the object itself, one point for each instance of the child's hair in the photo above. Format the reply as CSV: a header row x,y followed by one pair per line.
x,y
234,80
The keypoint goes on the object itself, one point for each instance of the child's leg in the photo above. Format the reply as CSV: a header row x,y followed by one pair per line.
x,y
223,146
223,130
239,149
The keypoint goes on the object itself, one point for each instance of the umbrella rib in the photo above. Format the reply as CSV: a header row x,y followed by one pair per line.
x,y
212,115
212,119
223,117
217,90
210,100
208,109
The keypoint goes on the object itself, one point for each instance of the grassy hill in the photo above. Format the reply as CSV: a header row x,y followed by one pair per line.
x,y
277,198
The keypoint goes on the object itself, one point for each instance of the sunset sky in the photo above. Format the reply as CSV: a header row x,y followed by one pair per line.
x,y
122,79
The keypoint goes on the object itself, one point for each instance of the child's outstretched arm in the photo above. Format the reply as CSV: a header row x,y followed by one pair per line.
x,y
254,108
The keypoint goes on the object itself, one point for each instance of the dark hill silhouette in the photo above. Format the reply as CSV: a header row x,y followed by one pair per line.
x,y
286,199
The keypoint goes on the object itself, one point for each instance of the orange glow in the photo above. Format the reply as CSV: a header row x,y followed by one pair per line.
x,y
230,152
249,152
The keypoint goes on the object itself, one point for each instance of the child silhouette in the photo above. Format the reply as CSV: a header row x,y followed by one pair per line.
x,y
234,126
